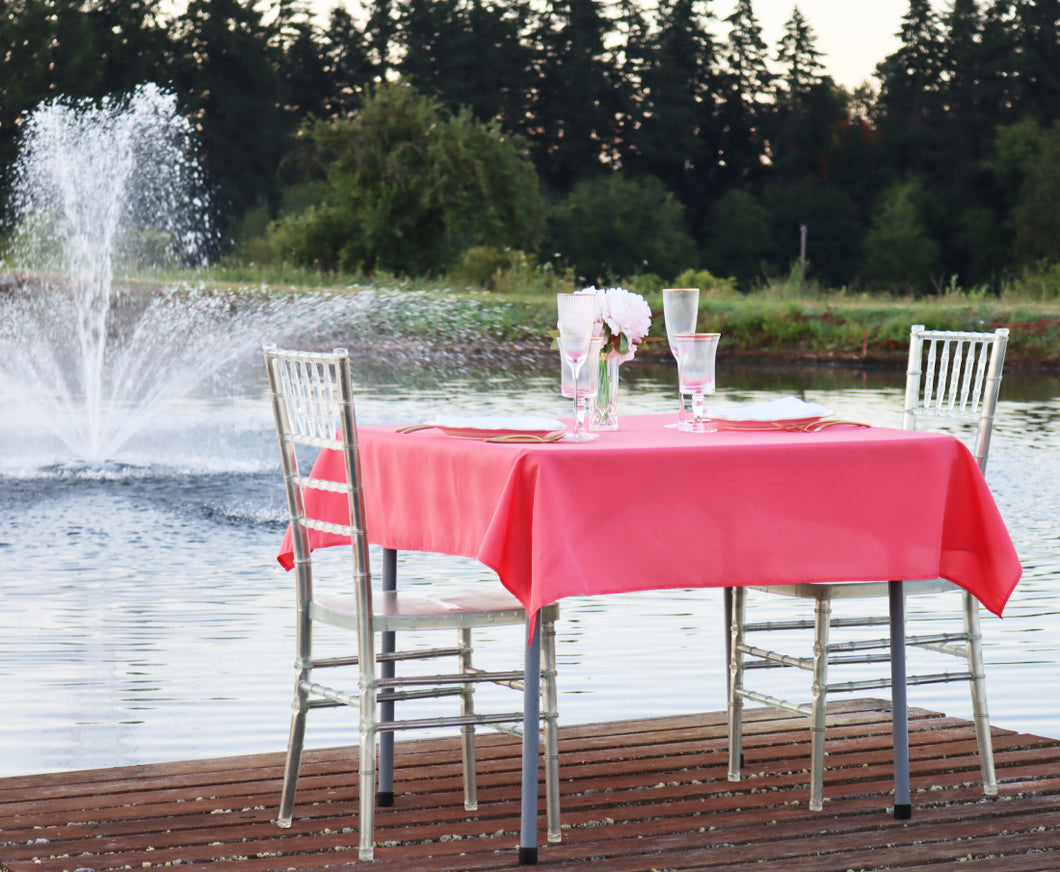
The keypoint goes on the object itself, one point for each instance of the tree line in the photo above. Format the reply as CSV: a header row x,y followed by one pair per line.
x,y
657,138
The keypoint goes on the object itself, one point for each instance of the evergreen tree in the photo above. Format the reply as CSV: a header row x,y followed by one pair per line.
x,y
964,227
808,107
347,64
911,81
899,251
678,141
746,85
998,60
1037,73
633,57
307,84
379,34
228,73
468,53
799,59
134,46
577,100
48,50
613,227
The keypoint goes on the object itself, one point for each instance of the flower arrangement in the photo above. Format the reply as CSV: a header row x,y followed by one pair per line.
x,y
622,318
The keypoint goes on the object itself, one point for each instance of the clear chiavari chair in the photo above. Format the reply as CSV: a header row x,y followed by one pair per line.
x,y
952,376
312,398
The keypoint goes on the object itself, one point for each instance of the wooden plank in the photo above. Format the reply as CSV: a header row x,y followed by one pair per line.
x,y
637,795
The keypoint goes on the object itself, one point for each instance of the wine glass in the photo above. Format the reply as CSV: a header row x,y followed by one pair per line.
x,y
695,366
588,377
680,311
577,317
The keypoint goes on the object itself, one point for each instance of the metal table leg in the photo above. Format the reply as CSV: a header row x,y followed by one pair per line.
x,y
531,719
903,808
385,789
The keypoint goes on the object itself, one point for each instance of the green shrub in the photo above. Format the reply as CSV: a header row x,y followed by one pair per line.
x,y
709,285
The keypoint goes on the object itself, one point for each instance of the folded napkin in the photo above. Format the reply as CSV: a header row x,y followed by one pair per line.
x,y
783,409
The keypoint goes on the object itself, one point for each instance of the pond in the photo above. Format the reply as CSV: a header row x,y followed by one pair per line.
x,y
145,617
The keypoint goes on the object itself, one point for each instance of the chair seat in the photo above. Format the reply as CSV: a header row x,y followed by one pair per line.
x,y
855,589
408,609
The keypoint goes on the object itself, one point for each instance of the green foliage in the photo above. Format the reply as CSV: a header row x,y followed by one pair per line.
x,y
645,284
739,237
613,226
1036,218
408,188
899,251
507,271
709,285
751,140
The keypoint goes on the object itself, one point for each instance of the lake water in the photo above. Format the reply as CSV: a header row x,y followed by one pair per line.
x,y
145,618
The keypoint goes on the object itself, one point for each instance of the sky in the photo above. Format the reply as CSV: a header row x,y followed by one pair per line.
x,y
852,35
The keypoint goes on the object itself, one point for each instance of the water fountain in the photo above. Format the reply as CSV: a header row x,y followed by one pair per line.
x,y
91,352
103,192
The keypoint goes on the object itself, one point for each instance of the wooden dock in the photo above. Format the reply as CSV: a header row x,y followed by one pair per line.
x,y
637,796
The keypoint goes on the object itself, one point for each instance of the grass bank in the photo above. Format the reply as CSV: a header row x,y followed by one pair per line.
x,y
783,322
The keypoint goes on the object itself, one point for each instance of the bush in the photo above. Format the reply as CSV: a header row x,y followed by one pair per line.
x,y
408,188
709,285
611,226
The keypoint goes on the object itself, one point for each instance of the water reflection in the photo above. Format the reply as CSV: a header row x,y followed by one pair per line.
x,y
145,617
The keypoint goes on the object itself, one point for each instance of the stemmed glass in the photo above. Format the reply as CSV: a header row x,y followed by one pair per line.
x,y
577,315
695,366
588,377
680,311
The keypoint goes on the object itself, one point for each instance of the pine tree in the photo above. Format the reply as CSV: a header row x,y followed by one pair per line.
x,y
577,99
911,81
228,73
746,86
347,64
678,141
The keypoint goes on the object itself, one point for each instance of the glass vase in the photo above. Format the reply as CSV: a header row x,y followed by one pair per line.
x,y
605,403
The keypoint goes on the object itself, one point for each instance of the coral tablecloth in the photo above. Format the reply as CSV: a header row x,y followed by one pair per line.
x,y
644,508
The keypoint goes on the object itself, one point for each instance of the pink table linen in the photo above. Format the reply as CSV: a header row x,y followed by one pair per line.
x,y
645,508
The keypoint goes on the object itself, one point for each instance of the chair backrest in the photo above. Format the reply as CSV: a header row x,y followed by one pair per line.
x,y
955,375
312,401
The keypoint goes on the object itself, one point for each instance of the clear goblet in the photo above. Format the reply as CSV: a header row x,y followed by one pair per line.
x,y
680,311
695,365
577,317
588,378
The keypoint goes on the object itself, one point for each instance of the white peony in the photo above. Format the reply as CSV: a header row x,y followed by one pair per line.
x,y
623,318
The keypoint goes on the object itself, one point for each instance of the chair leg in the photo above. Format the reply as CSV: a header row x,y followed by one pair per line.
x,y
368,758
735,608
551,727
978,687
294,756
822,623
467,732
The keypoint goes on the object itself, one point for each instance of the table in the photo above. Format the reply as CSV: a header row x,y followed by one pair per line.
x,y
646,508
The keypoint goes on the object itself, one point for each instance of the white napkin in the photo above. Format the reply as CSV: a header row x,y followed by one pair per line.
x,y
515,423
783,409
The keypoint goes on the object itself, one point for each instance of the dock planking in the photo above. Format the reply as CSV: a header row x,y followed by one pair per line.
x,y
637,795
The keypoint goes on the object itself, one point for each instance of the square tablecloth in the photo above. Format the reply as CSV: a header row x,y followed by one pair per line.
x,y
645,507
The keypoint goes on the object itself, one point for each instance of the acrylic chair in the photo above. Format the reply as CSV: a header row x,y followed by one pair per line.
x,y
952,377
314,409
